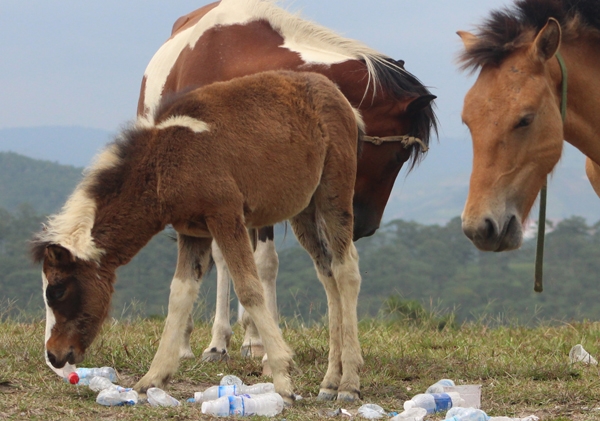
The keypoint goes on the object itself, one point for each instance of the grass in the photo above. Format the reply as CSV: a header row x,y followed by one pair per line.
x,y
523,370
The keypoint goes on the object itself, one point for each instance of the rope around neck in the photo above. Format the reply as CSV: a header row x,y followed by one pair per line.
x,y
406,140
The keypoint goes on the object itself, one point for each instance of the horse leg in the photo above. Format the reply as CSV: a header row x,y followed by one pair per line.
x,y
593,173
193,259
312,238
221,330
234,242
267,263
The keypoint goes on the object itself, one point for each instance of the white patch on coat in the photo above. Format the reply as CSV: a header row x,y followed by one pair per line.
x,y
195,125
314,43
72,227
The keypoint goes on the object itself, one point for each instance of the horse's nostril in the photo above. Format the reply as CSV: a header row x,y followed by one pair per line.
x,y
51,358
70,357
490,229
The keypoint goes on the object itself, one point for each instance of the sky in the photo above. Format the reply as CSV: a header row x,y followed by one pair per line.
x,y
80,63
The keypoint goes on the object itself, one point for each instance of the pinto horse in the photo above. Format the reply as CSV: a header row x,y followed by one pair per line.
x,y
234,38
233,155
514,109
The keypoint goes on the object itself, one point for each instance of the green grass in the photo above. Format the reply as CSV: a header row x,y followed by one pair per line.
x,y
523,370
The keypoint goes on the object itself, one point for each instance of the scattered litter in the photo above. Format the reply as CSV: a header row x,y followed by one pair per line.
x,y
335,413
158,397
578,354
216,392
230,379
266,404
371,411
466,414
434,402
470,393
438,387
413,414
113,397
83,376
98,384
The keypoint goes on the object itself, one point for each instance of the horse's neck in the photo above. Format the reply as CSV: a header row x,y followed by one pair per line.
x,y
582,128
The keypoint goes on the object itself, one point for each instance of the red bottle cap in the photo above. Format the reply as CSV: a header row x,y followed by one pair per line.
x,y
73,378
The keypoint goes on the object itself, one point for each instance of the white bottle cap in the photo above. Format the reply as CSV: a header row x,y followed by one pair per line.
x,y
198,397
408,405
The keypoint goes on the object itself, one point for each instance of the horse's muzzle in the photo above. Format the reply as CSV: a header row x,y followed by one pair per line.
x,y
487,234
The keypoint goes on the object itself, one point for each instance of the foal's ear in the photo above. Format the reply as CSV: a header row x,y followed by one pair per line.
x,y
57,255
419,103
469,40
547,41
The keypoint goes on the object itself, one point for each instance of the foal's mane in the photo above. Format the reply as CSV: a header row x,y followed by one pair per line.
x,y
509,29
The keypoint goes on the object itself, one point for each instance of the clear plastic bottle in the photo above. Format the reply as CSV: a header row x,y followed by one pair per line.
x,y
266,404
230,379
434,402
371,411
158,397
82,376
413,414
216,392
99,383
466,414
438,387
113,397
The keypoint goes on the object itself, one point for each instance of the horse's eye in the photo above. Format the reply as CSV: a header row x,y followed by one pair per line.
x,y
525,121
55,292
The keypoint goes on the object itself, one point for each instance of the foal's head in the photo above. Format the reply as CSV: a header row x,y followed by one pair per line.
x,y
513,114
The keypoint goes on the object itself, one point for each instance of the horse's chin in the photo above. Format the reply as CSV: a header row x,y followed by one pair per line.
x,y
513,236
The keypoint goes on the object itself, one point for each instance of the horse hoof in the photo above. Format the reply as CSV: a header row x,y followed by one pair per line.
x,y
327,395
288,400
214,355
267,369
252,351
186,354
348,396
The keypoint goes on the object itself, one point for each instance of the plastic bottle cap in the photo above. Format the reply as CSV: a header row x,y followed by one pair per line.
x,y
408,405
73,378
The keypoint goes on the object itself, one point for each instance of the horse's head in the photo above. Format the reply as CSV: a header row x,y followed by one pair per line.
x,y
379,165
514,117
77,296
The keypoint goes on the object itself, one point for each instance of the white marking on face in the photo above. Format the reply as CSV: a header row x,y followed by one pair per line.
x,y
195,125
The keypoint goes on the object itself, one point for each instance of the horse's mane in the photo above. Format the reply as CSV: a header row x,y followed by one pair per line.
x,y
508,29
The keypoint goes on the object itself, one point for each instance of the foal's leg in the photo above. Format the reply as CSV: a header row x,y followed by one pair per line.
x,y
193,259
267,263
221,330
593,173
233,239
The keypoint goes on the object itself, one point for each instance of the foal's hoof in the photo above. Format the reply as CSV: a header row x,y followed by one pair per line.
x,y
348,396
327,395
252,351
215,355
186,354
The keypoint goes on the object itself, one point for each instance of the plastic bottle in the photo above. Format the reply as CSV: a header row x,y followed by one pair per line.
x,y
231,379
158,397
413,414
466,414
99,383
82,376
438,387
266,404
434,402
371,411
216,392
113,397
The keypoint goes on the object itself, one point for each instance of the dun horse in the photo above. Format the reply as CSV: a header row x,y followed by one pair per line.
x,y
250,152
239,37
514,109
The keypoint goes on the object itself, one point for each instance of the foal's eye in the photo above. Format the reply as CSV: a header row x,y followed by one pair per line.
x,y
525,121
55,292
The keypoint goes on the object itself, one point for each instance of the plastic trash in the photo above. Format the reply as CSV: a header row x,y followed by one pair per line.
x,y
470,393
578,354
216,392
412,414
438,387
529,418
266,404
434,402
82,376
99,383
371,411
230,379
158,397
466,414
113,397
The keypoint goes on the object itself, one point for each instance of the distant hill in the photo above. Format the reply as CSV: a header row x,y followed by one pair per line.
x,y
42,184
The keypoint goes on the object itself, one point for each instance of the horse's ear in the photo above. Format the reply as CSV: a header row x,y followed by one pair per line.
x,y
469,40
57,255
419,103
547,41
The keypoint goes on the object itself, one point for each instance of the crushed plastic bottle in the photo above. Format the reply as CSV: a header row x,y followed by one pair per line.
x,y
230,379
412,414
529,418
371,411
99,383
158,397
266,404
434,402
579,354
82,376
466,414
216,392
113,397
438,387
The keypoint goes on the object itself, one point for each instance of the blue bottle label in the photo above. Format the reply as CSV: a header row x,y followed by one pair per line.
x,y
227,390
443,402
236,405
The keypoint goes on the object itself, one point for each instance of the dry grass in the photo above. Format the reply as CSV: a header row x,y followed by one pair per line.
x,y
523,370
